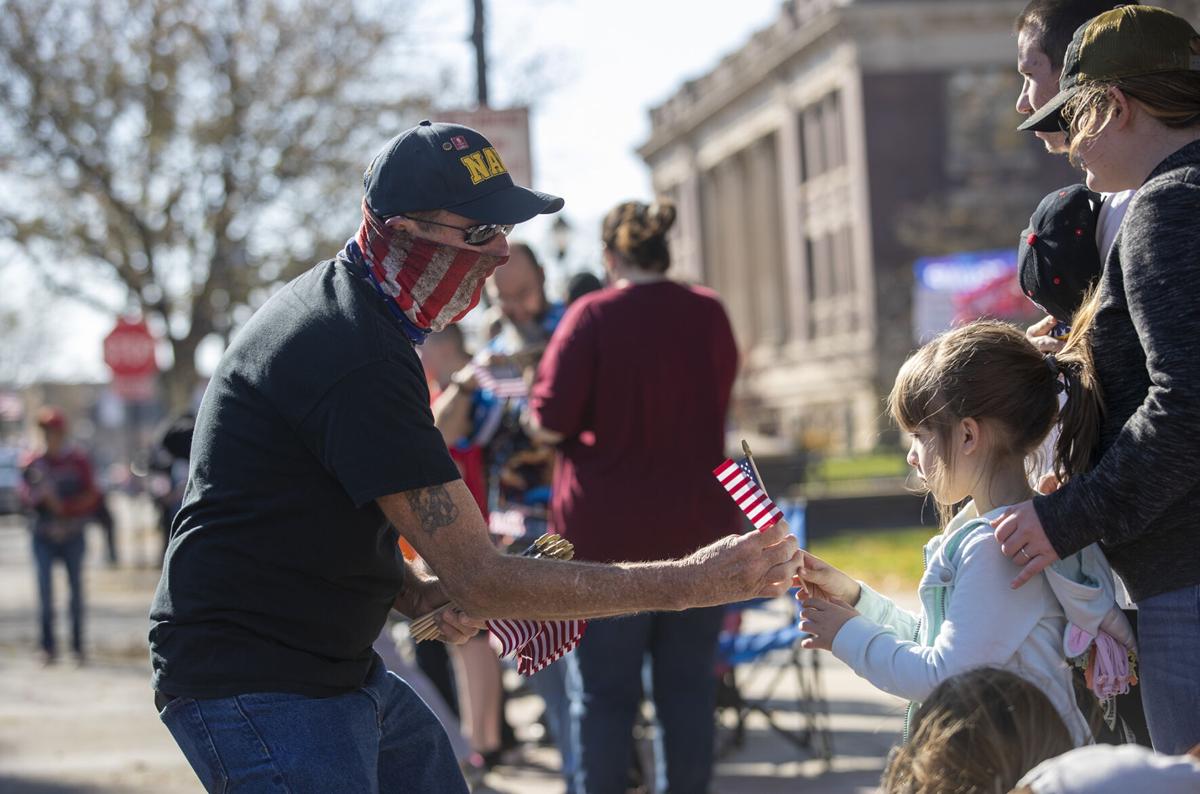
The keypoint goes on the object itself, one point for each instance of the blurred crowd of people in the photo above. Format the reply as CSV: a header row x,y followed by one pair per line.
x,y
648,363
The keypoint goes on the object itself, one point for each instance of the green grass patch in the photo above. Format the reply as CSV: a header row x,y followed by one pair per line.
x,y
888,560
860,467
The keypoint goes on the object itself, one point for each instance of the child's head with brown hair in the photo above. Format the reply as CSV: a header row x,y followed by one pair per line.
x,y
977,733
636,233
979,399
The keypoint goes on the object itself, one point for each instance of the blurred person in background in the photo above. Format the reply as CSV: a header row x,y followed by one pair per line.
x,y
61,492
104,519
634,389
441,357
527,316
168,459
582,284
476,671
482,421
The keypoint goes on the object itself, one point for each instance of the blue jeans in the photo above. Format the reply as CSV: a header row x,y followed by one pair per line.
x,y
550,684
605,685
70,551
380,738
1168,647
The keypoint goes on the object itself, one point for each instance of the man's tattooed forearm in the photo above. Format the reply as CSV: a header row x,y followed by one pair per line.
x,y
433,506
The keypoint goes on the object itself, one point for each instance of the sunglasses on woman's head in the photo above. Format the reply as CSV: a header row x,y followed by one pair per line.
x,y
478,234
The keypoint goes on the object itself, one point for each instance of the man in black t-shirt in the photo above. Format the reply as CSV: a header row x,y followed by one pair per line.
x,y
314,451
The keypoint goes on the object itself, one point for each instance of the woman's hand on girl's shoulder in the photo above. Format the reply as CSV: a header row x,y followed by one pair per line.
x,y
1023,540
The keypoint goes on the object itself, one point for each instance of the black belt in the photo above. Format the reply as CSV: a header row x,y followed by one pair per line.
x,y
161,699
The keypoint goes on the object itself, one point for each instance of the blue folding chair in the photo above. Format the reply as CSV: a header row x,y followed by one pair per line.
x,y
772,655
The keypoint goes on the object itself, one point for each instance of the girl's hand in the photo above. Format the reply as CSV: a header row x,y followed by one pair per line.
x,y
822,620
1048,484
819,579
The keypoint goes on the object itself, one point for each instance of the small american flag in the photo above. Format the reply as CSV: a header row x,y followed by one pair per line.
x,y
536,643
504,388
738,479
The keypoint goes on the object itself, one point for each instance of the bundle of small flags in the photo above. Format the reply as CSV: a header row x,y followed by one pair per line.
x,y
739,480
504,388
536,643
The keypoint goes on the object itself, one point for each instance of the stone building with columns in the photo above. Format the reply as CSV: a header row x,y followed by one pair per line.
x,y
813,166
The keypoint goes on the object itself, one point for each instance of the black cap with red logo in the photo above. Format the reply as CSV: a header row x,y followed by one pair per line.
x,y
1057,255
436,166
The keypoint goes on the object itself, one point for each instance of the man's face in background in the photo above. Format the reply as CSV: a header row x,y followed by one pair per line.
x,y
54,437
442,355
518,290
1040,84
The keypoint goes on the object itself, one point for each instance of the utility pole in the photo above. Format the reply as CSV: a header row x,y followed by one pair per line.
x,y
478,39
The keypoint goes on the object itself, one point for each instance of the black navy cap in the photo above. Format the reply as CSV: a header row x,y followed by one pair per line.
x,y
1057,255
435,166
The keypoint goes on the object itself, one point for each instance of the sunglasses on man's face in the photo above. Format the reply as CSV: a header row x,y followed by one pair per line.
x,y
479,234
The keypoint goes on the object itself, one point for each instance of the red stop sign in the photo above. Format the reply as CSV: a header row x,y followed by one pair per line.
x,y
129,349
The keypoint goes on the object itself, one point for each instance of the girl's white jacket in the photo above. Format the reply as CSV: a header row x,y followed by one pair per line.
x,y
983,622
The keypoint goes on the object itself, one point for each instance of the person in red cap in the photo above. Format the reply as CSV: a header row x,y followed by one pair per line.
x,y
61,493
314,451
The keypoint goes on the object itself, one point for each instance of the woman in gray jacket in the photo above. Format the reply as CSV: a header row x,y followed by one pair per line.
x,y
1130,99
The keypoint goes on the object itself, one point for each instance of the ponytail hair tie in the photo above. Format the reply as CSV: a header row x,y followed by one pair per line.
x,y
1059,385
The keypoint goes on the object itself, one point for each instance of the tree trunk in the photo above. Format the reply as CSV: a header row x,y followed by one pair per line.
x,y
179,382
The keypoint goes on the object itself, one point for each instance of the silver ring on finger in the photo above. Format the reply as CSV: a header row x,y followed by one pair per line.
x,y
1025,554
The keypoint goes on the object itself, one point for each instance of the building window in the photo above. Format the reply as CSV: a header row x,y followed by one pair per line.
x,y
801,159
710,242
820,284
981,138
843,262
822,137
831,119
813,133
810,272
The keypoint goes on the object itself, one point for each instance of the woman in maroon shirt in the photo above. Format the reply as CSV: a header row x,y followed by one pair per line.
x,y
635,388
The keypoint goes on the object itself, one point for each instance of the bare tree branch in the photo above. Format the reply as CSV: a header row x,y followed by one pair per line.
x,y
157,135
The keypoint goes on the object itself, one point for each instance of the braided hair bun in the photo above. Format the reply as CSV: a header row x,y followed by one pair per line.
x,y
638,233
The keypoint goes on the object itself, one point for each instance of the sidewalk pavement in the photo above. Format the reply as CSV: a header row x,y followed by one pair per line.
x,y
67,729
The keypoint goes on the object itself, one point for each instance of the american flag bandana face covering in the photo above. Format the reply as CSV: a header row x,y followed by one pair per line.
x,y
434,284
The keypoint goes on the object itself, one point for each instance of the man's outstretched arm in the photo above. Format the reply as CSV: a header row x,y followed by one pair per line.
x,y
444,525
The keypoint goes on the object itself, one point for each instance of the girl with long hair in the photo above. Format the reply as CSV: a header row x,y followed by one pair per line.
x,y
975,401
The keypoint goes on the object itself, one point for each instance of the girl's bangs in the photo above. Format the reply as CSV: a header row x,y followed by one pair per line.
x,y
913,400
